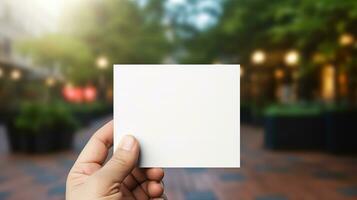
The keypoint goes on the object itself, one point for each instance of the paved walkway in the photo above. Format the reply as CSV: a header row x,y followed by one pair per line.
x,y
264,175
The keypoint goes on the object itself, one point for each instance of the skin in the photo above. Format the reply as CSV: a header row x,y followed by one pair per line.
x,y
118,179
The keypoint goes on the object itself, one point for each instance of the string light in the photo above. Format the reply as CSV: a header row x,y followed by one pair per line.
x,y
1,72
241,71
258,57
292,58
102,62
346,39
15,74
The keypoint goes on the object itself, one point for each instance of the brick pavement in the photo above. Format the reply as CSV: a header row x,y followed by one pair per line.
x,y
264,175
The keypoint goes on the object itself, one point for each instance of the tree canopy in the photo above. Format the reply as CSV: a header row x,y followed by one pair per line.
x,y
122,31
245,25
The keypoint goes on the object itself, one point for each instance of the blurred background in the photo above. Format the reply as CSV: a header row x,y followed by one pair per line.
x,y
298,89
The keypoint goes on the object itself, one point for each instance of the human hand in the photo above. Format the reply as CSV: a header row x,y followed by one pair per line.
x,y
90,178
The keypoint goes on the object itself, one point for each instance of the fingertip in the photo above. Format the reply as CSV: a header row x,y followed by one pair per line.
x,y
155,174
128,143
136,141
155,189
123,160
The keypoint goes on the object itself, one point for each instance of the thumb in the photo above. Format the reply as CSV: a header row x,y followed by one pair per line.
x,y
123,161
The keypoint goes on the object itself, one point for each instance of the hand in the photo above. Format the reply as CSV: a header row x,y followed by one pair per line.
x,y
119,178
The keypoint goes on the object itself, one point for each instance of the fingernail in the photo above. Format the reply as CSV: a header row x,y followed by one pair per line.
x,y
127,143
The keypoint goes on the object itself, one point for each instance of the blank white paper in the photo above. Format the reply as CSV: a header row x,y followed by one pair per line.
x,y
182,115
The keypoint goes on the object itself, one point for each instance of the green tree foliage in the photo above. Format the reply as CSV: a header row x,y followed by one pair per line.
x,y
309,26
70,55
123,31
276,26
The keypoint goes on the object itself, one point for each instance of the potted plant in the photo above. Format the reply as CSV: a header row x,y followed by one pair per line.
x,y
294,127
340,125
41,128
7,116
63,118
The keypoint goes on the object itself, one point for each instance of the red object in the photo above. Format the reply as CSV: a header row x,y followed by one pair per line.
x,y
72,94
89,94
79,95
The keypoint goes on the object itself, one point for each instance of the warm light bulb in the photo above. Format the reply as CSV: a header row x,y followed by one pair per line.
x,y
102,62
241,71
258,57
346,39
292,58
15,75
1,72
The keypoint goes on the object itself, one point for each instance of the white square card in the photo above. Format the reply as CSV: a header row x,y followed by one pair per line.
x,y
182,115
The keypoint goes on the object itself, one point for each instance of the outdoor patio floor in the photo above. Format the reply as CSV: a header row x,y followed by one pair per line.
x,y
264,175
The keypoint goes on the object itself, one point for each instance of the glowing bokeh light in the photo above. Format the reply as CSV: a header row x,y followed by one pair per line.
x,y
102,62
258,57
346,39
89,93
279,74
15,74
328,82
292,58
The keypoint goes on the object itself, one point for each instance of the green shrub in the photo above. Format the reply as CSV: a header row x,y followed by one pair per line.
x,y
36,118
95,108
294,110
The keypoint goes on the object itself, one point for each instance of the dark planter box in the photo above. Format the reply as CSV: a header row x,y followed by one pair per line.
x,y
20,142
45,142
7,117
341,134
65,141
245,114
300,132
